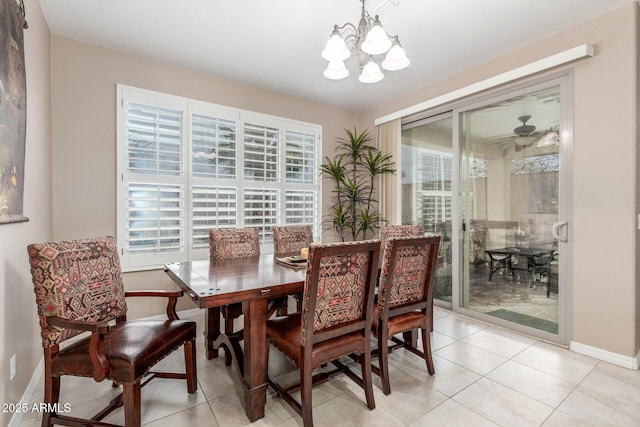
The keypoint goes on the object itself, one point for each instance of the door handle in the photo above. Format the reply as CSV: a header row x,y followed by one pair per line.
x,y
556,230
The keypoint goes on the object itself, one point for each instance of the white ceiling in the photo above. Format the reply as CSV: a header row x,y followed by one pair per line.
x,y
276,44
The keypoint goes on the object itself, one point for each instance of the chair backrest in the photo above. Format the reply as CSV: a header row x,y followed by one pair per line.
x,y
79,280
388,231
406,277
338,290
290,239
227,243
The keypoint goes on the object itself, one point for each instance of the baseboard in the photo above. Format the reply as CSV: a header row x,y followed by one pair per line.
x,y
28,393
16,419
607,356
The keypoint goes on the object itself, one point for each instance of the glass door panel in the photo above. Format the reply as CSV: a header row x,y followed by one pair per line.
x,y
426,196
509,204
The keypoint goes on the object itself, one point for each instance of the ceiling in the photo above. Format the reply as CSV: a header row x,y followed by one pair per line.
x,y
276,44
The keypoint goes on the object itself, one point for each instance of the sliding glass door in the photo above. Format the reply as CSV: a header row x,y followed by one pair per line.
x,y
510,210
492,180
427,188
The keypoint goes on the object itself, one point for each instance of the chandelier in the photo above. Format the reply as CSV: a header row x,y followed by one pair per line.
x,y
365,41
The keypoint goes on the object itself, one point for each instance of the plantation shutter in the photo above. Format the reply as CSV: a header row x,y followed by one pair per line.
x,y
214,157
155,208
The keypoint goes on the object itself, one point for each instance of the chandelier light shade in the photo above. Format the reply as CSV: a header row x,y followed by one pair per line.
x,y
365,41
396,58
336,70
371,73
336,49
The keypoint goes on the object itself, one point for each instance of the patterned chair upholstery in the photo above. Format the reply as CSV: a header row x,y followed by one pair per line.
x,y
388,231
334,322
229,243
78,288
289,240
405,299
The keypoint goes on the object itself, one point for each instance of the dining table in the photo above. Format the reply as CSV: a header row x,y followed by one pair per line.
x,y
253,282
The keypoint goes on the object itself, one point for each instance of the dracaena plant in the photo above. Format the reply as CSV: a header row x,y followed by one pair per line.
x,y
354,209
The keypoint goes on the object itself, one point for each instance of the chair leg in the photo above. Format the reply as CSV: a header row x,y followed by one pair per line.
x,y
190,366
51,395
367,383
299,303
383,361
230,313
426,348
132,406
306,381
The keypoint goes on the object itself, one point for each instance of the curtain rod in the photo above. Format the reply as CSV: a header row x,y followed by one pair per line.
x,y
564,57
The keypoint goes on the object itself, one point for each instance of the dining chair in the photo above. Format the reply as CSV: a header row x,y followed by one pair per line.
x,y
78,288
405,299
389,231
229,243
288,240
335,320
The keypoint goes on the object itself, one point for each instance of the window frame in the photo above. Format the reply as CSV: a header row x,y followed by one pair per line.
x,y
190,182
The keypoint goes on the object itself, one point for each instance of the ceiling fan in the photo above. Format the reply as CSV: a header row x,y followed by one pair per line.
x,y
525,135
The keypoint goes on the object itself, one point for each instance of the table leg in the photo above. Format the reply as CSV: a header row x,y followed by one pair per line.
x,y
255,358
211,330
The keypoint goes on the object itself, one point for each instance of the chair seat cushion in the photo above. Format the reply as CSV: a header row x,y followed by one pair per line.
x,y
131,349
284,333
400,323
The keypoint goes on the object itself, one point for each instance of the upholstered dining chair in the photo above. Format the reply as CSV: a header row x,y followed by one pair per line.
x,y
389,231
288,240
78,288
335,320
228,243
405,297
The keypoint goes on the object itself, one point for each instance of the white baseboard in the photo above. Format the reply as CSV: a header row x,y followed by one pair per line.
x,y
607,356
28,393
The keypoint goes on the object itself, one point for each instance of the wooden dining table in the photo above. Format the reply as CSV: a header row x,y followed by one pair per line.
x,y
252,281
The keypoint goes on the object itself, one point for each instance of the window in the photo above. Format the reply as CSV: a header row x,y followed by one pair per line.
x,y
434,192
186,166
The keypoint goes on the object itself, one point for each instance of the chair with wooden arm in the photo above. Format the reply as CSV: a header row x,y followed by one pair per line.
x,y
78,287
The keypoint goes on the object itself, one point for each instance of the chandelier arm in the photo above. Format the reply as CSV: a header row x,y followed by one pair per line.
x,y
347,25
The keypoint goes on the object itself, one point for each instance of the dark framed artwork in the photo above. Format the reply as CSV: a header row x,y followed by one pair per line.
x,y
13,111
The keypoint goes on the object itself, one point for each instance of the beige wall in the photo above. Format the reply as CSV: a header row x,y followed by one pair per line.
x,y
603,293
19,333
73,84
84,79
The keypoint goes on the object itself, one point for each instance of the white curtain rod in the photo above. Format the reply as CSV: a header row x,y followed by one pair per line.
x,y
561,58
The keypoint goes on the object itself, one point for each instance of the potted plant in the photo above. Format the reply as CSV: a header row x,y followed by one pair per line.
x,y
354,211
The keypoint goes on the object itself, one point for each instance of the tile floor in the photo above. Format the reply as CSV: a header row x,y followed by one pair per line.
x,y
485,376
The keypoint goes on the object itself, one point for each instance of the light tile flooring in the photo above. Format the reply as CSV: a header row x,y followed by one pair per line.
x,y
485,376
